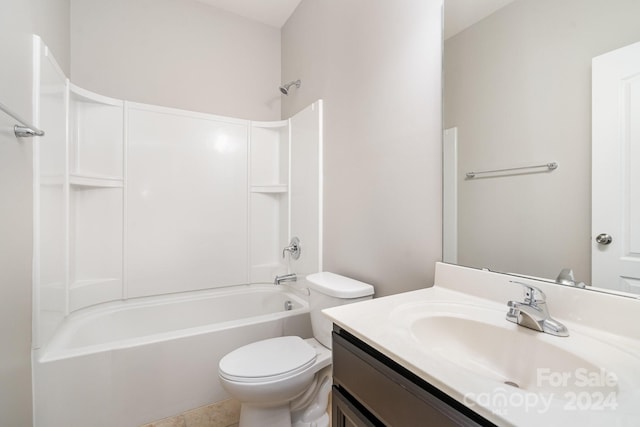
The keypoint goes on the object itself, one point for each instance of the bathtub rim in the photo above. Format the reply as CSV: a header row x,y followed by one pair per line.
x,y
55,349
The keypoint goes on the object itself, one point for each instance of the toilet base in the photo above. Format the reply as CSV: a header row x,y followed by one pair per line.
x,y
256,416
312,414
323,421
299,401
310,409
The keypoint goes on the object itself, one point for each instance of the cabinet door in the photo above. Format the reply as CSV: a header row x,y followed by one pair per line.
x,y
346,414
393,396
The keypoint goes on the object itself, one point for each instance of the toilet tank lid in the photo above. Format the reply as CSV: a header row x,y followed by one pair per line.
x,y
338,286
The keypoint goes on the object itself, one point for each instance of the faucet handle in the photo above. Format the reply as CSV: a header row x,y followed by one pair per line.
x,y
532,294
293,248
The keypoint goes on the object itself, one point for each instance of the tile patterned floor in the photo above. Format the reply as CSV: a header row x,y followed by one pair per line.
x,y
220,414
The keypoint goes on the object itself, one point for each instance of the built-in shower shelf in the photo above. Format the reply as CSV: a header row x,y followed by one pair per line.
x,y
94,282
81,180
276,188
268,125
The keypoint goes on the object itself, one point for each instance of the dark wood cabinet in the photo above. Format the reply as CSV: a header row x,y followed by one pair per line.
x,y
369,389
347,414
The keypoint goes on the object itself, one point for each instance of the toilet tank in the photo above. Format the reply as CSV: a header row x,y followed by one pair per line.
x,y
330,290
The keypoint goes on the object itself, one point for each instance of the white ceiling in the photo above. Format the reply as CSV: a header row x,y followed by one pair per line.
x,y
460,14
270,12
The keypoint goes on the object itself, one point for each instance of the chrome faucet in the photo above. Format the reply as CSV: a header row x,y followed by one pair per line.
x,y
285,278
294,248
566,278
533,312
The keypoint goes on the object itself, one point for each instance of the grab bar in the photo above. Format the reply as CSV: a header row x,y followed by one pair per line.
x,y
23,129
551,166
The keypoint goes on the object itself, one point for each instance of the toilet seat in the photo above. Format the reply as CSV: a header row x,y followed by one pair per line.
x,y
268,360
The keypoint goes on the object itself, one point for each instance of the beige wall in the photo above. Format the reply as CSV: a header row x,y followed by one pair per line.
x,y
518,87
176,53
377,66
18,20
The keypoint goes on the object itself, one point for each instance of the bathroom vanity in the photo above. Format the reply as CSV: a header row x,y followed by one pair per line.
x,y
370,389
448,356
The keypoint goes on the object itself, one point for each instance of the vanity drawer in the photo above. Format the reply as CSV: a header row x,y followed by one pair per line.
x,y
389,393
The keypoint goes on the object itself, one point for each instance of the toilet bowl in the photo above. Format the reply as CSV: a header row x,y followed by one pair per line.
x,y
285,381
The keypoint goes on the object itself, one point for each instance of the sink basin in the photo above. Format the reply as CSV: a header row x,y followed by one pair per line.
x,y
480,342
516,358
455,337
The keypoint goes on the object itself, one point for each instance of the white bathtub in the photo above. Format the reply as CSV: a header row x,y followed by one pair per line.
x,y
132,362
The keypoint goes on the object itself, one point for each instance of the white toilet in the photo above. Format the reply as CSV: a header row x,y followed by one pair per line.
x,y
285,381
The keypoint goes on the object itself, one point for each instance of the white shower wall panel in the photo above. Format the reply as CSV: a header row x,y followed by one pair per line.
x,y
186,201
306,187
50,253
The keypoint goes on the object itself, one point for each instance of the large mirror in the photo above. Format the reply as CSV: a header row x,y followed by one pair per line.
x,y
518,96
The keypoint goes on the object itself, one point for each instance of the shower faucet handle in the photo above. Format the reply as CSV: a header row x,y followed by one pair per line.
x,y
293,248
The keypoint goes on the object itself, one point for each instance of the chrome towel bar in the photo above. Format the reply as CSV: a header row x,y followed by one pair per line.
x,y
551,166
23,129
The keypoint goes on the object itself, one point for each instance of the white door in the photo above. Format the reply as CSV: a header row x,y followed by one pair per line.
x,y
616,170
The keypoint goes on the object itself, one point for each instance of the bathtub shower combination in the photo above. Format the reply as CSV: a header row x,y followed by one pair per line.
x,y
131,362
157,236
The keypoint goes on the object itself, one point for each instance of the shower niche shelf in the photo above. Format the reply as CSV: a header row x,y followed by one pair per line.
x,y
94,181
269,199
95,245
269,156
96,134
96,198
275,188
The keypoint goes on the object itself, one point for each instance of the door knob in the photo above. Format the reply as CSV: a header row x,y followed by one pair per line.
x,y
603,239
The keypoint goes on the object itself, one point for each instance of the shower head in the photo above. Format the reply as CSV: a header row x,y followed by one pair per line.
x,y
285,88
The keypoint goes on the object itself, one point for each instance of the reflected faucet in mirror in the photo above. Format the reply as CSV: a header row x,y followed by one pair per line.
x,y
566,278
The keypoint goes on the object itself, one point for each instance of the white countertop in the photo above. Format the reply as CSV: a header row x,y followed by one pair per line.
x,y
382,324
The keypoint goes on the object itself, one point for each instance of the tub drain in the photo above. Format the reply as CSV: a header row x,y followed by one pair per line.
x,y
512,384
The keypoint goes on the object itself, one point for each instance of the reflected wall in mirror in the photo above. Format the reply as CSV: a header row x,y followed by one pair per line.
x,y
517,87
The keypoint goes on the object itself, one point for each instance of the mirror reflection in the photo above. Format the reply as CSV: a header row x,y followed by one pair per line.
x,y
518,96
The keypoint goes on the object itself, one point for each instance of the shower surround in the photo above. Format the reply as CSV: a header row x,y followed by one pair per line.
x,y
139,203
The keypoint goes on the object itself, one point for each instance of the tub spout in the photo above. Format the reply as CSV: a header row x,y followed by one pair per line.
x,y
285,278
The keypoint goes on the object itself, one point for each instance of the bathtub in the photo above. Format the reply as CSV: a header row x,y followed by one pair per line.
x,y
131,362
